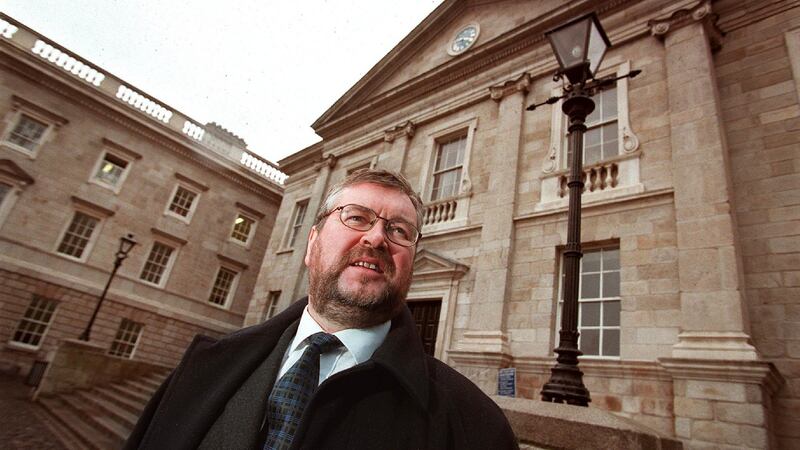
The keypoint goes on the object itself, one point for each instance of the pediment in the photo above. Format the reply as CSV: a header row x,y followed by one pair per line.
x,y
9,169
428,264
422,56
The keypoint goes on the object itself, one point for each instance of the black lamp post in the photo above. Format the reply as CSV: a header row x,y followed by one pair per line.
x,y
579,47
126,243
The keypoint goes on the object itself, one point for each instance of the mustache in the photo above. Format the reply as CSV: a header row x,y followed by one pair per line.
x,y
386,263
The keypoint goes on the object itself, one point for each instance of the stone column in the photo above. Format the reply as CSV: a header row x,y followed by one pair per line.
x,y
396,142
721,388
487,313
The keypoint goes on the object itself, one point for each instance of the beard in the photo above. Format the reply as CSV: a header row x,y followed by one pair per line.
x,y
359,306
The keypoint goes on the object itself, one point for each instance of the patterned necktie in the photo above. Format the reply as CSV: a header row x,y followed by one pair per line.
x,y
291,393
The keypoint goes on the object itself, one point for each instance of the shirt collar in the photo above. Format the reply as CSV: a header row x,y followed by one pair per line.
x,y
360,342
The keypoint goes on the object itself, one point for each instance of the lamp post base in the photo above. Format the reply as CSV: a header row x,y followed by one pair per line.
x,y
566,381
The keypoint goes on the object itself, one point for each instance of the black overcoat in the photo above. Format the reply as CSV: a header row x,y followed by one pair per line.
x,y
399,399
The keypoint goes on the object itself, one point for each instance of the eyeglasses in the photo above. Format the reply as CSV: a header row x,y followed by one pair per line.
x,y
361,218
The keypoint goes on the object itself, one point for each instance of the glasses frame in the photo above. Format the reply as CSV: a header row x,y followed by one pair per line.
x,y
373,222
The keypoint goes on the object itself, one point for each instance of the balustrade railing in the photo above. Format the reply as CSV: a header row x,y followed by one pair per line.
x,y
598,177
440,211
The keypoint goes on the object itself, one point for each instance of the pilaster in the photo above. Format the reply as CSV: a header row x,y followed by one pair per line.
x,y
711,281
486,334
396,142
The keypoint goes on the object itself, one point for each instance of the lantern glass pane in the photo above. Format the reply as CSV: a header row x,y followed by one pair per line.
x,y
569,43
597,48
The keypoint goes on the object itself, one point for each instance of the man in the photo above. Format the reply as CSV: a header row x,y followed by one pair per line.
x,y
344,368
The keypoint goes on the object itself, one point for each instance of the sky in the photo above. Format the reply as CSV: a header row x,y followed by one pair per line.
x,y
265,70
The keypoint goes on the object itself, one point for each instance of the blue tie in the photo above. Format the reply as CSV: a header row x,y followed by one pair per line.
x,y
291,393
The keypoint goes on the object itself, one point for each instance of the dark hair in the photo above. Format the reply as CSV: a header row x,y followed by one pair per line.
x,y
381,177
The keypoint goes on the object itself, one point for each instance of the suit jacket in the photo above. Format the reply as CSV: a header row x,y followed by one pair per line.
x,y
400,398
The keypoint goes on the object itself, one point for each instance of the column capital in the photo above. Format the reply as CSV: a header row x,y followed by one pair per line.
x,y
700,13
329,162
405,129
520,84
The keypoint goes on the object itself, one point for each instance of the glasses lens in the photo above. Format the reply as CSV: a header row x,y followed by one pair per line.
x,y
357,217
401,232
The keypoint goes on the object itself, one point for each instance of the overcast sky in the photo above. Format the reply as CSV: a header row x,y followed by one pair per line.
x,y
264,70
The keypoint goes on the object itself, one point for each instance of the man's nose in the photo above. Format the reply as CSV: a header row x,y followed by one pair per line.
x,y
376,236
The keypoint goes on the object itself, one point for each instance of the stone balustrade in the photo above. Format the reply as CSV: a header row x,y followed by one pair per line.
x,y
440,211
601,176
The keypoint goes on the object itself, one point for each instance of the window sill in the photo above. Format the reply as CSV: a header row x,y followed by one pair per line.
x,y
11,345
31,154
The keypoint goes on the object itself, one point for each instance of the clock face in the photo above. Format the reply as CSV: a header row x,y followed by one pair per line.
x,y
464,39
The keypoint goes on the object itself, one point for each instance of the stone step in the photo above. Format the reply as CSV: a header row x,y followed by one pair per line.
x,y
110,409
66,437
74,424
130,393
110,395
101,422
139,386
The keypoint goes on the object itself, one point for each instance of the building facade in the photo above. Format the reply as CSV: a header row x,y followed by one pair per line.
x,y
86,159
689,313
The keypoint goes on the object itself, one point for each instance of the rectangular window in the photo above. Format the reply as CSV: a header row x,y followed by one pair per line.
x,y
299,215
78,235
35,322
223,287
272,304
601,140
448,168
4,190
157,264
242,227
182,201
111,170
27,133
127,337
599,302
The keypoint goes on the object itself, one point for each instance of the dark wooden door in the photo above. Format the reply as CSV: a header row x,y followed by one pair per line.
x,y
426,317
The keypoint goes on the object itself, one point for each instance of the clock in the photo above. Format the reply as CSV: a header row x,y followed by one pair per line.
x,y
463,39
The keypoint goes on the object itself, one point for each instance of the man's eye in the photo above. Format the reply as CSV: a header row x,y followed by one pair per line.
x,y
400,231
356,219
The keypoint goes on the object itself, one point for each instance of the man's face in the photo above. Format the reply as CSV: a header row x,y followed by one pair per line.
x,y
342,289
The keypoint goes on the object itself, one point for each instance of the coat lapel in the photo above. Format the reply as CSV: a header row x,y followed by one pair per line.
x,y
209,375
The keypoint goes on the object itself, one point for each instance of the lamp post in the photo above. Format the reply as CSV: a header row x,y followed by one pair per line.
x,y
579,47
126,243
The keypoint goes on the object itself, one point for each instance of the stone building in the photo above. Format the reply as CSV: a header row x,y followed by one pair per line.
x,y
690,320
86,158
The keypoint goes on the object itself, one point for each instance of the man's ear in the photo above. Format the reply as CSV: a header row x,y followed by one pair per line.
x,y
312,237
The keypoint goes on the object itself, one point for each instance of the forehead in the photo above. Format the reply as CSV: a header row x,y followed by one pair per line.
x,y
386,201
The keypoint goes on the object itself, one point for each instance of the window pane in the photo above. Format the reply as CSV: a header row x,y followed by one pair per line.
x,y
28,132
78,234
590,286
611,259
611,343
609,104
590,261
611,314
590,314
592,155
611,284
590,342
241,228
182,201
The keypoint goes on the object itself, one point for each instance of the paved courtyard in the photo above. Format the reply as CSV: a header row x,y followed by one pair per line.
x,y
22,428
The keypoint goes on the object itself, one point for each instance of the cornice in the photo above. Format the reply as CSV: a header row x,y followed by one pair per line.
x,y
742,14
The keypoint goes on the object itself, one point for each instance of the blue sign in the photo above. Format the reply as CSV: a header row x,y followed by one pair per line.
x,y
507,382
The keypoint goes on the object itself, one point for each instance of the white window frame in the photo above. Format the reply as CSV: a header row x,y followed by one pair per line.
x,y
601,300
167,269
466,125
226,304
87,250
627,158
273,297
42,337
7,202
134,344
119,152
188,217
293,231
22,107
246,243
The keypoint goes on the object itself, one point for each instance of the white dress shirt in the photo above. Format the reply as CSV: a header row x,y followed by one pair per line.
x,y
359,345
